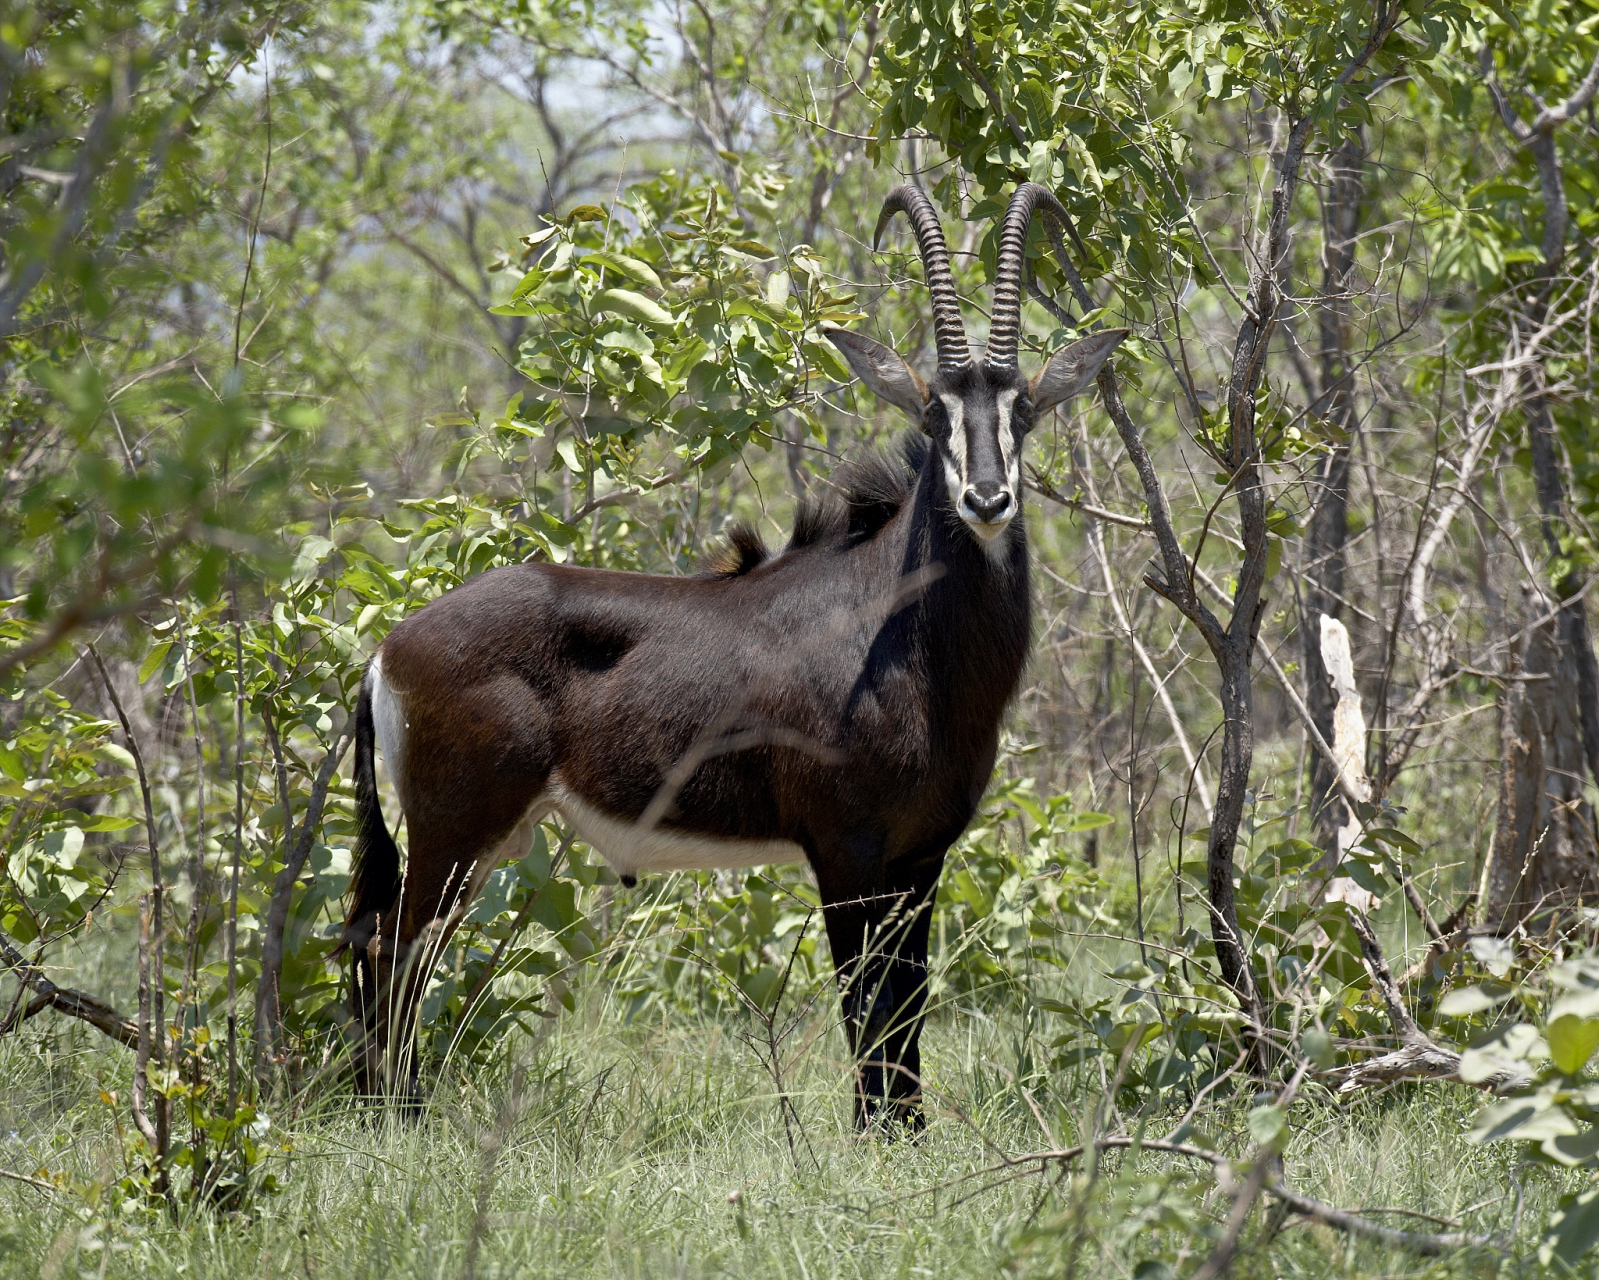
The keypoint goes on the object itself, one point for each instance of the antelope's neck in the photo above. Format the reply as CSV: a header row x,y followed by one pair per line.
x,y
975,619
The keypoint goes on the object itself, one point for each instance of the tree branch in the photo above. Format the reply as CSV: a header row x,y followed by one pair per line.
x,y
268,1009
75,1004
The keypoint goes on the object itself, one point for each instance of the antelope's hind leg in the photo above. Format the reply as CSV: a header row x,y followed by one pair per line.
x,y
447,870
472,801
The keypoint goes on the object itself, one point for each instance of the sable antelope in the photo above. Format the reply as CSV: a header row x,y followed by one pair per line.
x,y
838,702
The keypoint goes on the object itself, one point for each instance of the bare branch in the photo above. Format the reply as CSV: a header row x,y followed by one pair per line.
x,y
75,1004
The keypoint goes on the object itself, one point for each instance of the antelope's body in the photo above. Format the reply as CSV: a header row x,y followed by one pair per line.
x,y
839,702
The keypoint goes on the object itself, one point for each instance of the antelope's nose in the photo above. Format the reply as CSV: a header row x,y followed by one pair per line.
x,y
989,501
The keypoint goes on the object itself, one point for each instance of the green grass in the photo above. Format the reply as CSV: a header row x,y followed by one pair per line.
x,y
625,1143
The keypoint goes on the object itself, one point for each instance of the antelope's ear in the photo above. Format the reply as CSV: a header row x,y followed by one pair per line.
x,y
1072,368
881,369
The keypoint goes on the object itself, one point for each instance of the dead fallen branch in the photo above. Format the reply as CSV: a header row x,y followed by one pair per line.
x,y
1418,1056
75,1004
1427,1243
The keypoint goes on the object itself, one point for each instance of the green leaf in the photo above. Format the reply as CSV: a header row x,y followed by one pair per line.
x,y
1496,954
313,551
1388,835
754,248
1523,1119
1268,1127
1510,1049
12,763
108,822
1573,1230
153,661
1572,1149
116,751
1583,1004
824,356
63,847
632,268
586,213
1464,1001
1572,1040
1125,1033
1317,1045
566,450
634,305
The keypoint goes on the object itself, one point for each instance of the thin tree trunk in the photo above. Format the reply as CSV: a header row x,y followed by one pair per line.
x,y
1543,856
296,849
1544,853
1575,635
1328,529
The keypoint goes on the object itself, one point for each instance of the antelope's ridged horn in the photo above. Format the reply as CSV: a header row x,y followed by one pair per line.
x,y
1005,328
948,332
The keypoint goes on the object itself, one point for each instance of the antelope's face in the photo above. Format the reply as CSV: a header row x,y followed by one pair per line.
x,y
978,415
977,418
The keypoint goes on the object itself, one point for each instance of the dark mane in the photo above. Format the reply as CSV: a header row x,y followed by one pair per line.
x,y
744,552
868,493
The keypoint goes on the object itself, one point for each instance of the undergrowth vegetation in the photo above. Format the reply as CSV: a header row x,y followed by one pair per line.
x,y
645,1146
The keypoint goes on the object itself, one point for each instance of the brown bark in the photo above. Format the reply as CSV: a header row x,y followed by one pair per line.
x,y
1543,855
296,849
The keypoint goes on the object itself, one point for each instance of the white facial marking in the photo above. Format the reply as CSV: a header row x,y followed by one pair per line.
x,y
956,408
955,470
1007,440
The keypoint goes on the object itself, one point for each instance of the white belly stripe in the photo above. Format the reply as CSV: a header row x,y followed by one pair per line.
x,y
630,851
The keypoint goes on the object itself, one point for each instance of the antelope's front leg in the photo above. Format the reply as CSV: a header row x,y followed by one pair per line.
x,y
878,934
900,1010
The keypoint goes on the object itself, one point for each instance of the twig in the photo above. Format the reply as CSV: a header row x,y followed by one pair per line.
x,y
1044,489
238,857
40,1183
260,204
1426,1243
152,1030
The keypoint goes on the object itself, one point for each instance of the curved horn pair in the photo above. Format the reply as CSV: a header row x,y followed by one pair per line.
x,y
1005,327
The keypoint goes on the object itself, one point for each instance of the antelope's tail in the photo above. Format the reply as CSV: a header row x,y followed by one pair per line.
x,y
375,876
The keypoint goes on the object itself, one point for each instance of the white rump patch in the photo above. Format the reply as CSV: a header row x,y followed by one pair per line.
x,y
388,719
631,851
